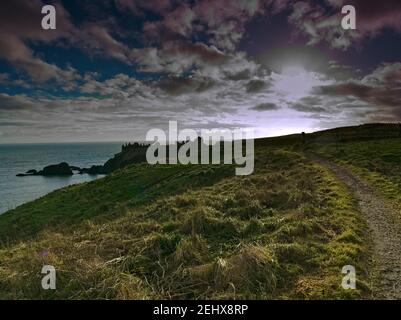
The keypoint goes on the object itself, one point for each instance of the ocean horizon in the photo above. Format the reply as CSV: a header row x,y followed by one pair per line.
x,y
20,157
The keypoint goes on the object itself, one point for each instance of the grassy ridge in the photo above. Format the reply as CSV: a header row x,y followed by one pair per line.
x,y
190,232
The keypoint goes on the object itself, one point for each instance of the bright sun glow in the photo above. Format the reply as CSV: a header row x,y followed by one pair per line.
x,y
295,82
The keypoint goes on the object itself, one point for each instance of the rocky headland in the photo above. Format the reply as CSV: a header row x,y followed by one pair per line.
x,y
130,153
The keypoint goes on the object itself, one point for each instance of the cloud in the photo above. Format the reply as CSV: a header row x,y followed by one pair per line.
x,y
125,107
169,45
310,104
388,74
223,21
139,6
256,86
20,25
170,41
177,85
381,89
20,21
15,123
373,17
334,111
323,22
199,75
4,77
8,102
266,106
96,39
226,19
177,57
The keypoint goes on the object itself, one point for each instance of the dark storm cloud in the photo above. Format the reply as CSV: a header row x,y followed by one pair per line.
x,y
334,111
308,108
374,97
256,86
310,104
97,39
139,6
8,102
319,108
241,75
122,104
20,21
183,60
209,55
322,23
373,15
381,88
20,24
223,21
267,106
178,57
177,85
351,88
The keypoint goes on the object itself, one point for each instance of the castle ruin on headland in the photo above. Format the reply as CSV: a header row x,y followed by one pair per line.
x,y
134,146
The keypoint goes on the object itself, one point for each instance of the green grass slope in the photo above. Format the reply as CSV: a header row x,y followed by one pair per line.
x,y
377,161
110,196
189,232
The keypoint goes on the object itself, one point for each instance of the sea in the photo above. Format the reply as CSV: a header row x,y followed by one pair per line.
x,y
19,158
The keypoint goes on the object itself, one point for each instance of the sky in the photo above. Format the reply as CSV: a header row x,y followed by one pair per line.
x,y
114,69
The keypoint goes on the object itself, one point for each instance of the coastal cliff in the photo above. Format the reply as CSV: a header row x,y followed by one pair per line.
x,y
130,154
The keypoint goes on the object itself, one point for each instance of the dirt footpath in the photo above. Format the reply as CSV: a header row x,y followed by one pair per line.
x,y
385,231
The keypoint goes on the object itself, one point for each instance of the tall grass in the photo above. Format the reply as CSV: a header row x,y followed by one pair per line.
x,y
283,233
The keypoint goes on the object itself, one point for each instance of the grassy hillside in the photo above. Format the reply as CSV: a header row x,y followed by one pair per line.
x,y
108,197
377,161
175,232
